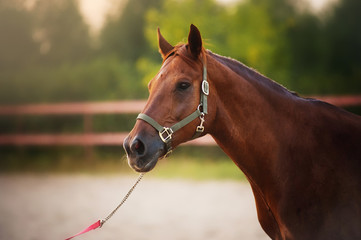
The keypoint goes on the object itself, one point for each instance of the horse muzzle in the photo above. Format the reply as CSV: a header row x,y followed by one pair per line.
x,y
143,150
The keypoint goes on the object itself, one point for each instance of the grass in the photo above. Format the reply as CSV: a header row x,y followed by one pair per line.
x,y
198,169
170,168
201,163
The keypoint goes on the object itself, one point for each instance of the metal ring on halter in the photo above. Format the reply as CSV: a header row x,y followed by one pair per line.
x,y
199,108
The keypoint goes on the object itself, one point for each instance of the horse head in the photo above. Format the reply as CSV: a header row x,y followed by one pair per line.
x,y
176,110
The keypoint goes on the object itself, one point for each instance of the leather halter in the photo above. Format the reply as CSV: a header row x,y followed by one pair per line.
x,y
165,133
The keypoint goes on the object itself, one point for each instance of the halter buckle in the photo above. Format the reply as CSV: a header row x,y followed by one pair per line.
x,y
166,134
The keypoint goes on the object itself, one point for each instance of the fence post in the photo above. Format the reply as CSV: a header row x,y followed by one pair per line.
x,y
88,129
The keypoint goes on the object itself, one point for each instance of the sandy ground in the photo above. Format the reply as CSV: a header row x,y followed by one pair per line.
x,y
55,207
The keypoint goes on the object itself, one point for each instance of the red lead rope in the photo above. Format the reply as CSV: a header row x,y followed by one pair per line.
x,y
91,227
100,223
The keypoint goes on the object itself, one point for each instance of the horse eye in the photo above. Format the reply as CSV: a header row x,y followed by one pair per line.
x,y
183,85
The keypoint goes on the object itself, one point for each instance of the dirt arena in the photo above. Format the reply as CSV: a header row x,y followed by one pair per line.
x,y
34,207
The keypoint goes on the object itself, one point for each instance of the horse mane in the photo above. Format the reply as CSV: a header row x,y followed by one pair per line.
x,y
251,75
248,73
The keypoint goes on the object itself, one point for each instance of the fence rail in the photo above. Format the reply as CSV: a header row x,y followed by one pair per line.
x,y
91,108
87,110
81,108
85,139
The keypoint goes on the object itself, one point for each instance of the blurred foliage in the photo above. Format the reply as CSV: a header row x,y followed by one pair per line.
x,y
48,55
123,34
102,78
304,52
61,32
17,46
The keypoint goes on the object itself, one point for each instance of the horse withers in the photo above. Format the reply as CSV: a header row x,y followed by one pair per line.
x,y
301,156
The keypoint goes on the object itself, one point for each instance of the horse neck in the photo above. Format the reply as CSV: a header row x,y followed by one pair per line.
x,y
246,126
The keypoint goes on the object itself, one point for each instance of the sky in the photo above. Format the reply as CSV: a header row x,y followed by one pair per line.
x,y
95,11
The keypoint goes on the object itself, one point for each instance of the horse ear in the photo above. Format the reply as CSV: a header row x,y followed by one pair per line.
x,y
164,46
195,41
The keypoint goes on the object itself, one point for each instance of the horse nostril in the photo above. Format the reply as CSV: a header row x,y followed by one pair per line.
x,y
138,147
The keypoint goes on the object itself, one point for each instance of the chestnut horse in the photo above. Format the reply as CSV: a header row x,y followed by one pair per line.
x,y
301,156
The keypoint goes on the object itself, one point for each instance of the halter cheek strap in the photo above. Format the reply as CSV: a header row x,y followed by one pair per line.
x,y
165,133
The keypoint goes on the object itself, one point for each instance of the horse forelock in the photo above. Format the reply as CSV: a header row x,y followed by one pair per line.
x,y
182,51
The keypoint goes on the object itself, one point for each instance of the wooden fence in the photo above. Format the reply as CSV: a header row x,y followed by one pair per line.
x,y
88,138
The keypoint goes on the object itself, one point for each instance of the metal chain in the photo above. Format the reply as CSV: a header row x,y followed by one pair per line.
x,y
123,201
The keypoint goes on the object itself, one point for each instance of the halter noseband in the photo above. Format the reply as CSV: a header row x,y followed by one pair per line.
x,y
165,133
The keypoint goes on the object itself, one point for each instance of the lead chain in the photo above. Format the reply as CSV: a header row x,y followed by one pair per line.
x,y
123,201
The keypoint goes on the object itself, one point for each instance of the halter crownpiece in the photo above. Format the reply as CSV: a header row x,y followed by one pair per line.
x,y
165,133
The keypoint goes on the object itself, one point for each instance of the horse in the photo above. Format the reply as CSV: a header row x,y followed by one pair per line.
x,y
301,156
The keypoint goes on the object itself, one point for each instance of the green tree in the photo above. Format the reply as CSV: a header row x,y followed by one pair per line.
x,y
289,44
102,78
303,49
61,31
17,46
123,35
342,54
324,53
